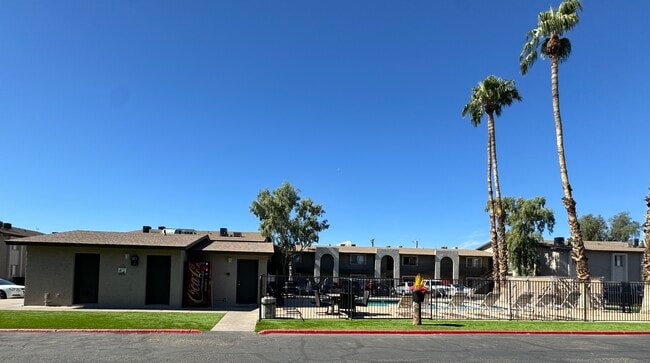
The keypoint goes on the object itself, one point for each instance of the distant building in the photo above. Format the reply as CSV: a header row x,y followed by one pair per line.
x,y
348,260
609,260
12,258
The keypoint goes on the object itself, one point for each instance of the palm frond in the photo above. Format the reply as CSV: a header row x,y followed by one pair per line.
x,y
528,54
549,23
569,7
490,95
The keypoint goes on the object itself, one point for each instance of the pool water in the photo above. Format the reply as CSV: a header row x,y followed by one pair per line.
x,y
380,303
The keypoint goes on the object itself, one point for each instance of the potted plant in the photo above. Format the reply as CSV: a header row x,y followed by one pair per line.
x,y
419,289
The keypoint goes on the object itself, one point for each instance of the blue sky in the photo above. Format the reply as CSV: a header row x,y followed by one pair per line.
x,y
118,114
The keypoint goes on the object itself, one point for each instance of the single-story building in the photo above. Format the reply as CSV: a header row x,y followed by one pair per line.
x,y
162,267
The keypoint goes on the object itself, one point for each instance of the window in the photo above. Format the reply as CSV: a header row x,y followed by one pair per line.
x,y
357,259
618,260
473,262
14,270
409,260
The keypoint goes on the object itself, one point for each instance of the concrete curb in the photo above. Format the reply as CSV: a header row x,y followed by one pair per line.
x,y
441,332
116,331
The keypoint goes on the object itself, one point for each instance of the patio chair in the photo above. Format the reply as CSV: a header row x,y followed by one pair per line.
x,y
547,300
363,301
523,300
319,302
490,299
405,306
571,300
457,299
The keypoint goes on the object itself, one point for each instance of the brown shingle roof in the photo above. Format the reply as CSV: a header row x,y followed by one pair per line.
x,y
239,246
14,232
245,242
606,246
95,238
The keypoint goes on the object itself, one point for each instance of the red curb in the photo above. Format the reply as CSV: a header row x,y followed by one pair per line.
x,y
116,331
440,332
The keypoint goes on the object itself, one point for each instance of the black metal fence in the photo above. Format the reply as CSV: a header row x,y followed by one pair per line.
x,y
537,298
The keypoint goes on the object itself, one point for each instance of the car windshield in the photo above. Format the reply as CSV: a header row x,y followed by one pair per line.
x,y
5,282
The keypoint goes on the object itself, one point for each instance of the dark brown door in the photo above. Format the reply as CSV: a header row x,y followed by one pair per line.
x,y
247,281
86,278
158,280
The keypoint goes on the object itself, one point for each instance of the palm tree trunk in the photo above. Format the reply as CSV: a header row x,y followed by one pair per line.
x,y
500,215
645,305
496,255
578,251
646,242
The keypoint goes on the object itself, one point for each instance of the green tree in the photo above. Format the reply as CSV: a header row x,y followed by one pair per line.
x,y
291,223
489,97
527,219
547,37
593,228
622,227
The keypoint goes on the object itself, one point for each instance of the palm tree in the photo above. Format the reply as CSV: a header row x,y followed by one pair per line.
x,y
489,97
645,305
547,37
646,242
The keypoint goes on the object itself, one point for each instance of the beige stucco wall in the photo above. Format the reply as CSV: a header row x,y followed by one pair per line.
x,y
50,270
224,275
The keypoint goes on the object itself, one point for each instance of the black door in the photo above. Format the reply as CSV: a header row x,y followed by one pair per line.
x,y
246,281
158,278
86,278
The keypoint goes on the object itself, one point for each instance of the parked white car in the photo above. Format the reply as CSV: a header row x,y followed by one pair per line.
x,y
404,289
10,290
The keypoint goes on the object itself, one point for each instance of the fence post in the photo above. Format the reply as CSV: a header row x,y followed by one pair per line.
x,y
259,301
509,289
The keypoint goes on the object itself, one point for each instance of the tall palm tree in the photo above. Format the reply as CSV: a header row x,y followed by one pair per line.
x,y
547,37
489,97
645,304
646,241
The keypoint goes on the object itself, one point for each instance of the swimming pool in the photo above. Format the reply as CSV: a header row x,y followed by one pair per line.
x,y
382,302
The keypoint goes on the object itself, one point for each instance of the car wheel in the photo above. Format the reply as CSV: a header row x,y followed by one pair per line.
x,y
3,295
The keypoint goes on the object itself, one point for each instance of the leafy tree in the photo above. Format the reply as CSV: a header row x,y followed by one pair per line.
x,y
622,227
291,223
593,228
527,219
489,97
547,37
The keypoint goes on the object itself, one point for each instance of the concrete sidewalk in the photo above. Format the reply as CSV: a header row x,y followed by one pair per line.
x,y
238,321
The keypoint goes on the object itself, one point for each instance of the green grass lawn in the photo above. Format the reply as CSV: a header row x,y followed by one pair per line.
x,y
106,320
406,324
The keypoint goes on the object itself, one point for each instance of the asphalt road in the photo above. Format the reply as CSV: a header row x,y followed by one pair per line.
x,y
249,347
